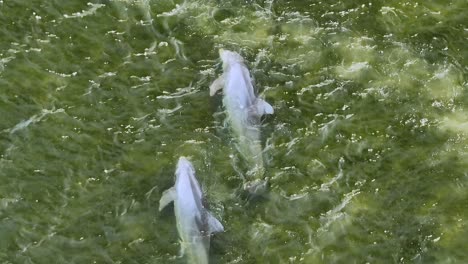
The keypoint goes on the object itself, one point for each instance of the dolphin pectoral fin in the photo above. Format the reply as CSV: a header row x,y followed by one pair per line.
x,y
168,196
263,107
182,249
214,226
268,108
217,85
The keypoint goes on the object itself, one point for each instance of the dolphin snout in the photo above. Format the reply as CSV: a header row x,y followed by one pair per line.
x,y
183,161
184,165
228,56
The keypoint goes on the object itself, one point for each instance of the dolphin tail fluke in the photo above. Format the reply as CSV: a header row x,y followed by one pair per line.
x,y
217,85
214,226
263,107
168,196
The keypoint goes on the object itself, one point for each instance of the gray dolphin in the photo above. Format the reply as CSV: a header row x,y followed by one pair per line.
x,y
244,111
194,223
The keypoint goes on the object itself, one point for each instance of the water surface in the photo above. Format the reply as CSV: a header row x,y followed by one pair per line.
x,y
366,153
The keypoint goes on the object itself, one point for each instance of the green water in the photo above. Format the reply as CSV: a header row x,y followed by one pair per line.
x,y
366,154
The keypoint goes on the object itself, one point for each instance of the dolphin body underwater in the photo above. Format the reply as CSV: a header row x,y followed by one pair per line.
x,y
244,111
194,223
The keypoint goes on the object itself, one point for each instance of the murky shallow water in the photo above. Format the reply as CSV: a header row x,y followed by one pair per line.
x,y
366,153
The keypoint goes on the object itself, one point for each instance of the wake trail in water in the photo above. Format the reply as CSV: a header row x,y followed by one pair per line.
x,y
336,213
33,119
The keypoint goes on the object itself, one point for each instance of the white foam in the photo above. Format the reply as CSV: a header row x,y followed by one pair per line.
x,y
336,213
326,186
93,8
181,92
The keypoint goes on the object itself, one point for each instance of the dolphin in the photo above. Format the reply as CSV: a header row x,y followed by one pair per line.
x,y
244,111
194,223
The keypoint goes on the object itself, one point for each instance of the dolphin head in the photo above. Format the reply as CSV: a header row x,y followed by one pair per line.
x,y
228,57
184,165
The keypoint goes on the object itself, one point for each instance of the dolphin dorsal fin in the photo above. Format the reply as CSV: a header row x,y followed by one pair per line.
x,y
214,226
168,196
263,107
